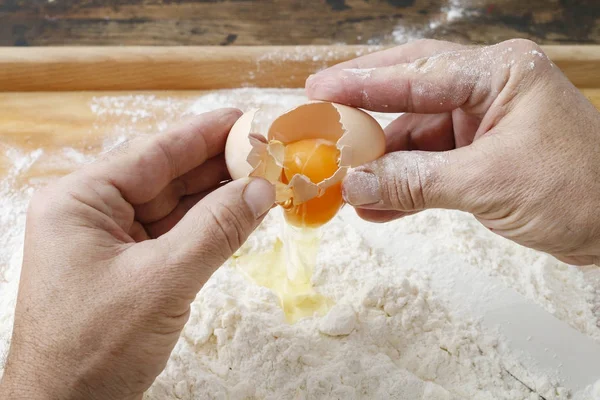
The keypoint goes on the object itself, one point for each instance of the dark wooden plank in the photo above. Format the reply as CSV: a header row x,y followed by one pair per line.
x,y
281,22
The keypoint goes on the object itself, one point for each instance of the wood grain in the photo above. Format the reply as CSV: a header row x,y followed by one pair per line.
x,y
293,22
78,122
163,68
206,68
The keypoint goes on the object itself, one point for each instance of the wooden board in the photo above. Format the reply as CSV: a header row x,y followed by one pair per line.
x,y
206,68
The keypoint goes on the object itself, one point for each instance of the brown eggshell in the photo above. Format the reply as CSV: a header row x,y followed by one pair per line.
x,y
362,135
315,120
238,147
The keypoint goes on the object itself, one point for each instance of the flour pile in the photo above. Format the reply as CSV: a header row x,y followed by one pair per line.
x,y
388,337
391,334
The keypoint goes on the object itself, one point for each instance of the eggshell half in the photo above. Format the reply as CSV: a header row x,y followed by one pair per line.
x,y
238,146
362,135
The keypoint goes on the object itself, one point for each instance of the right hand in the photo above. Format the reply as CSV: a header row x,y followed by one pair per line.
x,y
496,131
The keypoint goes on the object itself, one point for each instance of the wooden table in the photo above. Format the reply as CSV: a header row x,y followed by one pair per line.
x,y
285,22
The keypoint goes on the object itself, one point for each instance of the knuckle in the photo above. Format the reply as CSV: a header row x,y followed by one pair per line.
x,y
404,188
41,204
523,44
530,58
172,165
423,42
179,186
228,227
37,204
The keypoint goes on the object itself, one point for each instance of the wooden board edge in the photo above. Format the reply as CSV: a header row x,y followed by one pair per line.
x,y
210,67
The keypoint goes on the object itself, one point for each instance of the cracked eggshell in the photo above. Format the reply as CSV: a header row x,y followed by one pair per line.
x,y
357,135
247,153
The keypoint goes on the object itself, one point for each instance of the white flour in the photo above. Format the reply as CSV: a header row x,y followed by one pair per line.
x,y
450,12
390,336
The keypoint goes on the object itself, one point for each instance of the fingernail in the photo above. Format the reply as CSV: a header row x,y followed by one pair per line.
x,y
259,195
311,82
361,188
323,86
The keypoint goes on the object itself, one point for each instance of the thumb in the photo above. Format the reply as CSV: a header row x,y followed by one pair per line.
x,y
410,181
219,224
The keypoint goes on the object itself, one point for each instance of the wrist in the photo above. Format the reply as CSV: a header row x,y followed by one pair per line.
x,y
30,381
12,388
29,378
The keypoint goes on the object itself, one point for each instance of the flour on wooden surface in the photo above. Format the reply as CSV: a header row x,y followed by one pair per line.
x,y
390,334
450,12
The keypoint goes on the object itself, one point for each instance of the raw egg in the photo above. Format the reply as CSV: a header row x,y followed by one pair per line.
x,y
317,159
305,154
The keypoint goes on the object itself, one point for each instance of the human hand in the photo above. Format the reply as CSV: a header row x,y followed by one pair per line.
x,y
496,131
114,255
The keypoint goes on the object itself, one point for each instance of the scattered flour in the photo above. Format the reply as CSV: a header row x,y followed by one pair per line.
x,y
363,73
390,336
13,206
451,12
310,53
404,34
457,10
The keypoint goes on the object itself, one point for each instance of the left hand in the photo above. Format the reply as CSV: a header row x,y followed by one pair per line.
x,y
114,255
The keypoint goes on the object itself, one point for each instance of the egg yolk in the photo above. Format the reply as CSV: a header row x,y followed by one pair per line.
x,y
317,159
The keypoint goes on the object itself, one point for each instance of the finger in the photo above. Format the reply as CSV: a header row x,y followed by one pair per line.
x,y
413,180
381,216
218,225
405,53
429,85
200,179
206,176
427,132
580,260
425,86
164,225
465,127
137,232
141,172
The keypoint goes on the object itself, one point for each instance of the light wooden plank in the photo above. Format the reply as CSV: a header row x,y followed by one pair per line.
x,y
79,122
207,68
